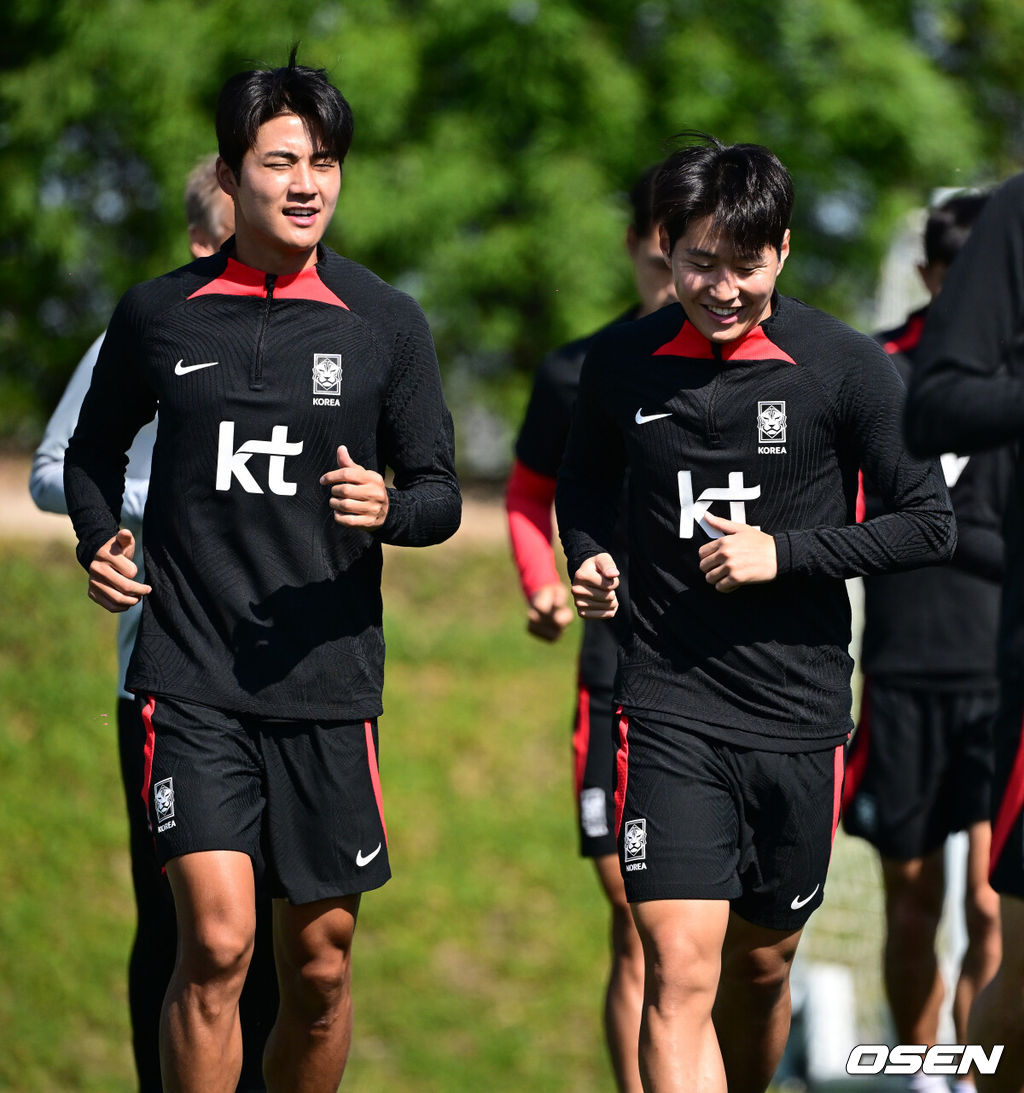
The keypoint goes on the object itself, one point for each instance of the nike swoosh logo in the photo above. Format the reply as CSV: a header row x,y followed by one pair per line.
x,y
798,902
182,369
642,418
365,859
952,467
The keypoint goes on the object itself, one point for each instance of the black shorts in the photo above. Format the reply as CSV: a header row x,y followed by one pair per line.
x,y
593,749
1007,872
306,792
920,767
700,818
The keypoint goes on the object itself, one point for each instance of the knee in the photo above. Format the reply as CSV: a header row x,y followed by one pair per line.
x,y
981,916
625,939
217,954
678,973
913,916
318,987
762,971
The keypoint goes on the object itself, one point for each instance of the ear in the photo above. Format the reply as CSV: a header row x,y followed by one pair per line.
x,y
932,275
784,250
631,241
663,243
199,243
226,178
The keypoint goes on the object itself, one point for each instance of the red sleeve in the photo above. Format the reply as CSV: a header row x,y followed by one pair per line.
x,y
529,498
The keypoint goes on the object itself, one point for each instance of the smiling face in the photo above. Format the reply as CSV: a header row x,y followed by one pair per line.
x,y
284,197
724,292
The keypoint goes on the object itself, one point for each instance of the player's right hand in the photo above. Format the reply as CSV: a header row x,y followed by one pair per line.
x,y
593,588
111,574
549,613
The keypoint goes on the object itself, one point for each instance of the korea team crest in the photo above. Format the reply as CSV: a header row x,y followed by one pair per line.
x,y
771,427
326,379
163,798
634,845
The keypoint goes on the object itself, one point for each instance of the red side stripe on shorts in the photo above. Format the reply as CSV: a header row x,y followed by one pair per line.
x,y
371,755
147,754
1010,806
859,749
862,505
621,769
837,786
581,737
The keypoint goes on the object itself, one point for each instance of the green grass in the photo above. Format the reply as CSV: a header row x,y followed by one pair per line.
x,y
479,966
66,907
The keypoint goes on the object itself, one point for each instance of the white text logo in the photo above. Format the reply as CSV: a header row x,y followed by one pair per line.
x,y
231,463
692,512
910,1058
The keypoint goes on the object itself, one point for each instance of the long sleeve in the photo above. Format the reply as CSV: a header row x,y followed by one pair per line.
x,y
916,526
963,397
117,404
46,480
590,479
528,502
418,442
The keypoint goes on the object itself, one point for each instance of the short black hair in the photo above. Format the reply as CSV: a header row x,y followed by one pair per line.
x,y
744,188
250,99
948,225
641,201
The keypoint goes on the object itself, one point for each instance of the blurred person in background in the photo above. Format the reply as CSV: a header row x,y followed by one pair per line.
x,y
920,764
967,394
210,219
529,498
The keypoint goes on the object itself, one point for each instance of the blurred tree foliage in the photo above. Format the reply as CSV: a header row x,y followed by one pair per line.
x,y
494,142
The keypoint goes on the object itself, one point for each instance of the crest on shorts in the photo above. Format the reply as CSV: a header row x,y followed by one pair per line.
x,y
326,373
635,840
771,422
163,796
594,812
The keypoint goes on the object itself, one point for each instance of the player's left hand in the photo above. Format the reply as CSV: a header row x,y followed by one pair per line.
x,y
358,496
743,555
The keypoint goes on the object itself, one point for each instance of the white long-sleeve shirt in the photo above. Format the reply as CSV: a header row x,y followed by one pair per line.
x,y
46,483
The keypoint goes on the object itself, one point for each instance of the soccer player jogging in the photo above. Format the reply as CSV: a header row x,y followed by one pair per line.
x,y
210,218
967,395
743,418
920,765
288,378
529,498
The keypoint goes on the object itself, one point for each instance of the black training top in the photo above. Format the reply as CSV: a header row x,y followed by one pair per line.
x,y
261,603
936,627
540,446
770,430
968,393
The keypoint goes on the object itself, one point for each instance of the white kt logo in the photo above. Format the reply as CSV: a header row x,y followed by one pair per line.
x,y
693,512
231,463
